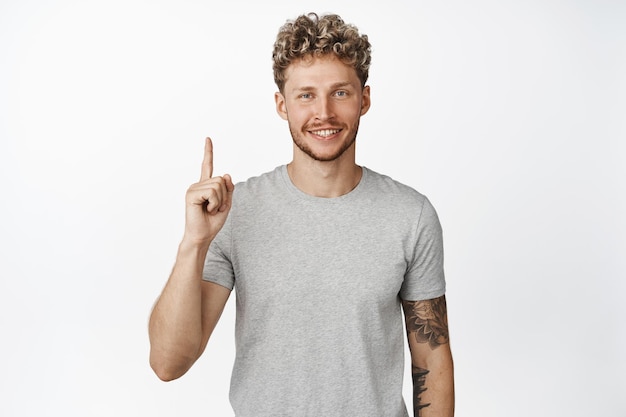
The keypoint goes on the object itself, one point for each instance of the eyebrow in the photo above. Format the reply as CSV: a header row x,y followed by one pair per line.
x,y
335,86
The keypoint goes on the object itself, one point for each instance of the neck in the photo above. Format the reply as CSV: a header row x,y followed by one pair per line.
x,y
324,179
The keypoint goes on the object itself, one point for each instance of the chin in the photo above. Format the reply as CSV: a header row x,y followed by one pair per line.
x,y
326,156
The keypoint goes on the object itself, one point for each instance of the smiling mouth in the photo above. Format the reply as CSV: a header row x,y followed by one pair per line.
x,y
324,133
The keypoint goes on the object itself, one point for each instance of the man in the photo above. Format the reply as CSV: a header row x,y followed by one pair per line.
x,y
322,253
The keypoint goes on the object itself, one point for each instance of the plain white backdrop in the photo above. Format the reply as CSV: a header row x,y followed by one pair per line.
x,y
509,115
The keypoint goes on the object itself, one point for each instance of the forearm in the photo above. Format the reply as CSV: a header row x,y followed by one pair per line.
x,y
176,331
433,385
431,357
188,309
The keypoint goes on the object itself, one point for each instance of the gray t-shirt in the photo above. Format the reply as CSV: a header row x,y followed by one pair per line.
x,y
319,329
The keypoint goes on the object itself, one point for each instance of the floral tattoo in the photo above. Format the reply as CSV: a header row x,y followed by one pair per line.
x,y
427,321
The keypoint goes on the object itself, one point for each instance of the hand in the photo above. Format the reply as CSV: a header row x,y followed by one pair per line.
x,y
208,201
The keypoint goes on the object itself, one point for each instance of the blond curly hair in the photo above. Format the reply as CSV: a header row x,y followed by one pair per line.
x,y
311,35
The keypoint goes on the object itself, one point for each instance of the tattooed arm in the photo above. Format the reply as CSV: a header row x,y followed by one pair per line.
x,y
431,359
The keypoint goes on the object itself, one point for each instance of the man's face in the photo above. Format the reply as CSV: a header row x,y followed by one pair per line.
x,y
323,102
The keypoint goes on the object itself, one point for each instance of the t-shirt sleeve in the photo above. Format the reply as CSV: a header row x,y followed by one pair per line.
x,y
218,267
425,277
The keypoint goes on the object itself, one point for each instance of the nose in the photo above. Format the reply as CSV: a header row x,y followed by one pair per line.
x,y
324,108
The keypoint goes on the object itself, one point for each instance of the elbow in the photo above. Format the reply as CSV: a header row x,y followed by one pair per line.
x,y
165,374
168,370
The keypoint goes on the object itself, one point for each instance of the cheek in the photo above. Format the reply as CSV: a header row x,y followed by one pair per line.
x,y
351,113
298,116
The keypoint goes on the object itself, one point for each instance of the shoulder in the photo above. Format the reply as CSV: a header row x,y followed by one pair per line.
x,y
259,194
259,184
389,188
398,200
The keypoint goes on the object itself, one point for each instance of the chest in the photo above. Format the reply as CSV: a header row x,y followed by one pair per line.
x,y
339,259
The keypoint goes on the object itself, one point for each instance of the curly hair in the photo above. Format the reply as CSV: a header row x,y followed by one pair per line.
x,y
311,35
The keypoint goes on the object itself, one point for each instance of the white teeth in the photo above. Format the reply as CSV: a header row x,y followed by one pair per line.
x,y
326,132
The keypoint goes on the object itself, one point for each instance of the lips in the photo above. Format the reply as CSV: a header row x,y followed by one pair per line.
x,y
325,133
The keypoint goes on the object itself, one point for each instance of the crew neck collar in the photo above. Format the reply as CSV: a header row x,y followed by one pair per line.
x,y
304,196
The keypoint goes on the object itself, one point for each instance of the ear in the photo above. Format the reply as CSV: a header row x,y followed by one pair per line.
x,y
365,100
281,105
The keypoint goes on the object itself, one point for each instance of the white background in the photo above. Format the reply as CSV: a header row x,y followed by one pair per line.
x,y
509,115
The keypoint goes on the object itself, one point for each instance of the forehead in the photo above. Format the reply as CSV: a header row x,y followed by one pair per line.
x,y
318,72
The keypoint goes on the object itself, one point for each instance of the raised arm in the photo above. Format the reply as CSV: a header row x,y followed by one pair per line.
x,y
431,358
188,309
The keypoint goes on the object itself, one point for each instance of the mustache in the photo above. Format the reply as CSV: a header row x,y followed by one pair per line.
x,y
315,126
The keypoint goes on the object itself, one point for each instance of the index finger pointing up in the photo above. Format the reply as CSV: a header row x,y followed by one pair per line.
x,y
207,162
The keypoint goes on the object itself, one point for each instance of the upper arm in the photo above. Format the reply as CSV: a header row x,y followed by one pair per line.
x,y
214,298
